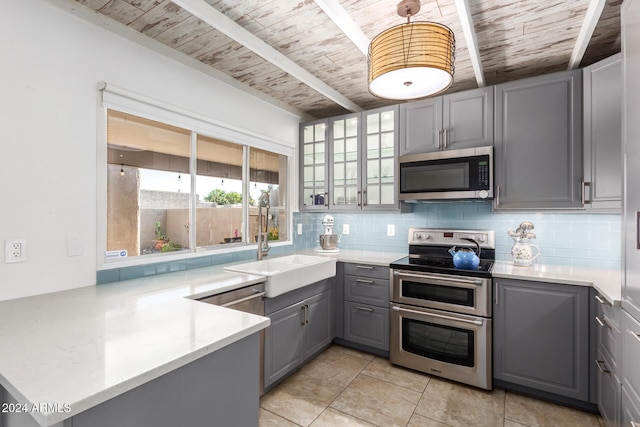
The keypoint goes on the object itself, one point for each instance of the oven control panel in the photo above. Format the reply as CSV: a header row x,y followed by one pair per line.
x,y
440,237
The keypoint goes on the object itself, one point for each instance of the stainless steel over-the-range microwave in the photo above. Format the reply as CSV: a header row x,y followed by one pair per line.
x,y
453,174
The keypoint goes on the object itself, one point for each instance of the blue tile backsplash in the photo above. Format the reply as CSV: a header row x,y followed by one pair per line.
x,y
578,239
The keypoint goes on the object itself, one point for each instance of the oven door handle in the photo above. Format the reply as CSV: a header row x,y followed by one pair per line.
x,y
477,322
438,280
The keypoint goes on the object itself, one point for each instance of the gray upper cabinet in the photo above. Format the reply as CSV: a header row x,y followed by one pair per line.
x,y
603,135
538,142
459,120
541,337
349,162
420,126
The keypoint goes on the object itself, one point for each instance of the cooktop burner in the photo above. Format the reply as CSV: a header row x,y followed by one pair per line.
x,y
429,251
442,266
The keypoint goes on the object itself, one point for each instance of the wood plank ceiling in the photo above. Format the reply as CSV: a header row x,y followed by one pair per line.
x,y
314,68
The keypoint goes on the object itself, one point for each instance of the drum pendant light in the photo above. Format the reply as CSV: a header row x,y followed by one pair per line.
x,y
411,60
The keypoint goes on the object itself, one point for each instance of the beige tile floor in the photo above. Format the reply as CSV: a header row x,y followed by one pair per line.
x,y
344,387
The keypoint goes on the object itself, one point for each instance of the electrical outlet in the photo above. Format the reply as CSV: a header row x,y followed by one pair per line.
x,y
15,250
299,228
345,228
391,230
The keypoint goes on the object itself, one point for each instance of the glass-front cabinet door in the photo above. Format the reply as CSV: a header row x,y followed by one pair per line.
x,y
314,166
349,162
345,159
380,146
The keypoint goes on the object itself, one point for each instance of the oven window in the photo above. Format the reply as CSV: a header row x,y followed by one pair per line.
x,y
439,293
438,342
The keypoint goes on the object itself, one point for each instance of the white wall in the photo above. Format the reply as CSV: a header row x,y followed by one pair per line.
x,y
52,62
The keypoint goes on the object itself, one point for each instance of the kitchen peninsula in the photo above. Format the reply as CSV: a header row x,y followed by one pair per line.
x,y
146,351
131,353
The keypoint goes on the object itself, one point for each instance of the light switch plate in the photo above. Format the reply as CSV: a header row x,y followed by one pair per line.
x,y
345,228
299,229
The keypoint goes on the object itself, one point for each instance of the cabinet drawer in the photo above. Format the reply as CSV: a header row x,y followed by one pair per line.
x,y
609,389
631,354
367,290
612,313
366,270
366,324
630,412
609,341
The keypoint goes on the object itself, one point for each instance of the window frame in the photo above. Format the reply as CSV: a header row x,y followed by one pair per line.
x,y
116,98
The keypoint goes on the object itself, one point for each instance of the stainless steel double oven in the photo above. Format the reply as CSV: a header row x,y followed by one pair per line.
x,y
441,315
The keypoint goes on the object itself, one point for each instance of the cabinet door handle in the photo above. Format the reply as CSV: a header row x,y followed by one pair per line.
x,y
359,198
496,290
602,300
326,198
249,298
305,313
371,282
636,336
603,367
602,323
365,267
440,139
497,195
445,138
586,201
364,197
364,309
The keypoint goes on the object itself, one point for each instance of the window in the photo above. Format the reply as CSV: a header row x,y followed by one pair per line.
x,y
171,190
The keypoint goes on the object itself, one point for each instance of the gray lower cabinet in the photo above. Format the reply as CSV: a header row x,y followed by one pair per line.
x,y
366,305
538,142
630,413
298,331
541,337
367,325
220,389
630,372
603,135
606,363
460,120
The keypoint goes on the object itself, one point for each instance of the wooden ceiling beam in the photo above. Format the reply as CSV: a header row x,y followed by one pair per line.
x,y
207,13
334,10
464,13
586,32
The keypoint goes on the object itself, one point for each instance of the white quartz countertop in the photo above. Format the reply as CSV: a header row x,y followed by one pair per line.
x,y
606,282
82,347
85,346
357,256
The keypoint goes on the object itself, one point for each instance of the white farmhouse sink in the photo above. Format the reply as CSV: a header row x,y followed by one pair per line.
x,y
288,273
